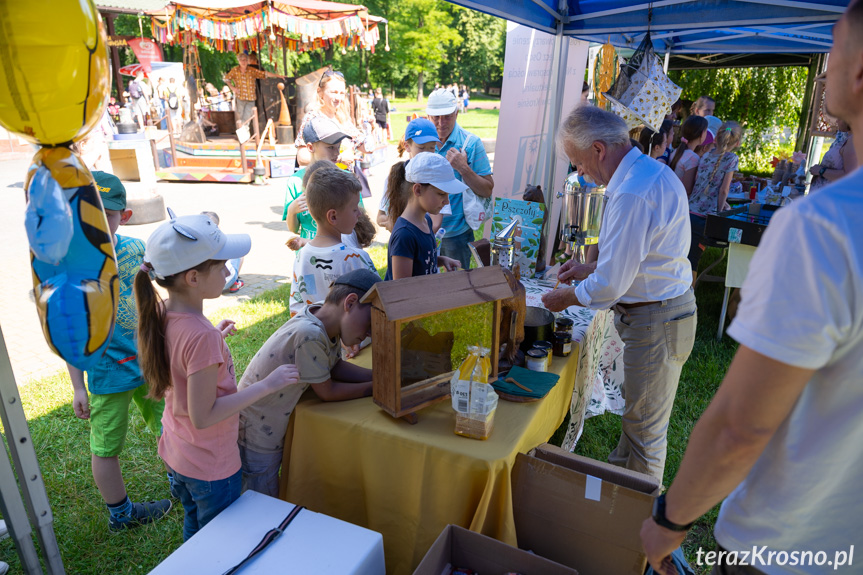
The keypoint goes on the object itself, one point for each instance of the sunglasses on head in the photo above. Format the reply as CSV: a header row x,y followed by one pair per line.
x,y
329,74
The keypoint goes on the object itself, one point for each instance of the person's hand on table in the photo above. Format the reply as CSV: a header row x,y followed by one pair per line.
x,y
458,160
350,351
659,543
572,270
448,264
559,299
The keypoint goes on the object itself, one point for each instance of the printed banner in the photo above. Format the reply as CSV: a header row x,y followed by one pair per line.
x,y
524,134
146,51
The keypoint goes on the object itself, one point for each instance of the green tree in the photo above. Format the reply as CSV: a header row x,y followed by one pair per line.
x,y
761,100
424,33
478,60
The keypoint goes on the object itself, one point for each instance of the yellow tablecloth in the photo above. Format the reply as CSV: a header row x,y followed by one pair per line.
x,y
353,461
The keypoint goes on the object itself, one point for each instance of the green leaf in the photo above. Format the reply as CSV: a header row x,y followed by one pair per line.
x,y
537,221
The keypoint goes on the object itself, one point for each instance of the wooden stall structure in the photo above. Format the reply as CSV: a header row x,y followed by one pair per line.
x,y
421,329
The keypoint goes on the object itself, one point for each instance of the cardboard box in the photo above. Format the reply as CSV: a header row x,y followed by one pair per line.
x,y
582,513
459,547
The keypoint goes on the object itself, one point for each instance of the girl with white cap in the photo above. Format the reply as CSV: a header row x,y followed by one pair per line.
x,y
428,180
185,360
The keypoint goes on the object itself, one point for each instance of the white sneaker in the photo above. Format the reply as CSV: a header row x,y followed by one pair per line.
x,y
4,533
4,568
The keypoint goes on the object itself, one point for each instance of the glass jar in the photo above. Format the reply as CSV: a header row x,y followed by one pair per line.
x,y
563,324
536,359
562,343
547,347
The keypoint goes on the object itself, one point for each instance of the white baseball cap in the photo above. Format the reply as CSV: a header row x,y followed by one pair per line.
x,y
428,168
713,125
441,102
187,241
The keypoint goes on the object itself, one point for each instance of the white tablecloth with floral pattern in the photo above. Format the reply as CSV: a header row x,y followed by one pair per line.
x,y
600,361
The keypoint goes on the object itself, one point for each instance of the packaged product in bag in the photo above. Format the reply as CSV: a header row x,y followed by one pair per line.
x,y
473,398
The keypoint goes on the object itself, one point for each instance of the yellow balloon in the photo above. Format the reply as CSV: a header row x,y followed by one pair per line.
x,y
54,80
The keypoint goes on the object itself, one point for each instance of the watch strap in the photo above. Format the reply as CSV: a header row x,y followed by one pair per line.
x,y
660,518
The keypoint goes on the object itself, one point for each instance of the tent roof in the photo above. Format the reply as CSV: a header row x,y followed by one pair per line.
x,y
684,26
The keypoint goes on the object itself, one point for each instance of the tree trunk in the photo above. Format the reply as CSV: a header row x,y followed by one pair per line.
x,y
420,96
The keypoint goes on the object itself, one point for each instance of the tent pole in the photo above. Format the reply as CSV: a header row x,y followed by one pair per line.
x,y
555,88
804,142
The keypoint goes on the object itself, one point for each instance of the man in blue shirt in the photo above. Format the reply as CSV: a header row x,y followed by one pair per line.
x,y
466,154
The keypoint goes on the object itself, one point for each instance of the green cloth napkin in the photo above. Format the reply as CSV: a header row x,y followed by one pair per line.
x,y
539,381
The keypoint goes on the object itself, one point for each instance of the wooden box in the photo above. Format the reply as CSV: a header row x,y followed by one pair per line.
x,y
419,338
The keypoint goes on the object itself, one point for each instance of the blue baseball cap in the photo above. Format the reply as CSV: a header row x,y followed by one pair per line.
x,y
421,131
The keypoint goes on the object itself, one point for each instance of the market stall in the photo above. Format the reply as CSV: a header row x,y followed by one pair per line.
x,y
409,481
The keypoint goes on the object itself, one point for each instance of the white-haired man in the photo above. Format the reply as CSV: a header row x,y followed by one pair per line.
x,y
642,273
780,442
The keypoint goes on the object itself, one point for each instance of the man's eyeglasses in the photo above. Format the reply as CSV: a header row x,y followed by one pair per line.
x,y
329,74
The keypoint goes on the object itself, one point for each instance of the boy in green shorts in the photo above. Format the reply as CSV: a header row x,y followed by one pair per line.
x,y
116,381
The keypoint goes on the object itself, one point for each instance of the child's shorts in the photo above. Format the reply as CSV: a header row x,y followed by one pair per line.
x,y
260,471
109,418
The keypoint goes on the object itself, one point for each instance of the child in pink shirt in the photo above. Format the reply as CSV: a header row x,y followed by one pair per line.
x,y
185,359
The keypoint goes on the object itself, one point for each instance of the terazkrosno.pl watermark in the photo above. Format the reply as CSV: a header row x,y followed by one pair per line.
x,y
762,557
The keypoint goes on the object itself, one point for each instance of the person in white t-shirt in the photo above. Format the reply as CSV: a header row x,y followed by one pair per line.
x,y
781,439
642,273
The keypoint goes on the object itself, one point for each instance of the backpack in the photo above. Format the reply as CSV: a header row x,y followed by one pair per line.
x,y
173,100
135,90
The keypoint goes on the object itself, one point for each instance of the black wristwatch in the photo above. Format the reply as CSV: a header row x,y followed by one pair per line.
x,y
659,516
822,170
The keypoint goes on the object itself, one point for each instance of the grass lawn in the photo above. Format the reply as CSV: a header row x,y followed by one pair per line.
x,y
80,517
483,123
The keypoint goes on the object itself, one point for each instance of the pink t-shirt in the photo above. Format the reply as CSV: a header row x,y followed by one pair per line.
x,y
208,454
687,161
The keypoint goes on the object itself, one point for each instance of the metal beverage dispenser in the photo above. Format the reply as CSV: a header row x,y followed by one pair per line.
x,y
503,246
581,214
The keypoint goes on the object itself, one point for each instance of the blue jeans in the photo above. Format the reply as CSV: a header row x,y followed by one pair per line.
x,y
455,247
203,500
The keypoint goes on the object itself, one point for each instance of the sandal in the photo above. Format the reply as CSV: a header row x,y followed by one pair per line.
x,y
237,285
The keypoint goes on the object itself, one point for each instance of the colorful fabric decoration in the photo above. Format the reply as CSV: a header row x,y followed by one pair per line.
x,y
253,30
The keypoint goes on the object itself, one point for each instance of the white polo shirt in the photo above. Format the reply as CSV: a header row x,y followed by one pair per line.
x,y
644,238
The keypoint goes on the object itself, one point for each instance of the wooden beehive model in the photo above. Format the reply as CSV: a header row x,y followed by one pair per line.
x,y
397,303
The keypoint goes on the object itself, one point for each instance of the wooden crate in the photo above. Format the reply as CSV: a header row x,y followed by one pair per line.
x,y
397,303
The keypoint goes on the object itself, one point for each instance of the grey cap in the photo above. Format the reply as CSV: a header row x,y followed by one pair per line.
x,y
361,279
322,129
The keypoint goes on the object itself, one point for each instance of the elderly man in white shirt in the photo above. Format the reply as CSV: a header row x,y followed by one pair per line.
x,y
641,273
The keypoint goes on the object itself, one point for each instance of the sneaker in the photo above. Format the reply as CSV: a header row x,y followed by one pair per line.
x,y
237,285
143,512
4,568
4,533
